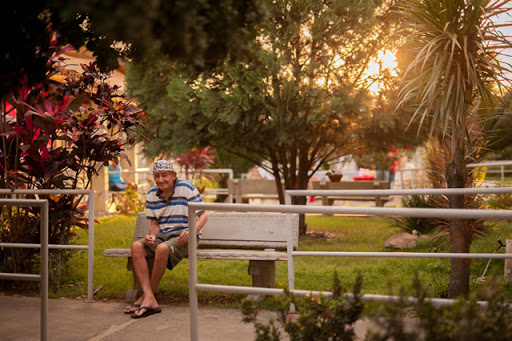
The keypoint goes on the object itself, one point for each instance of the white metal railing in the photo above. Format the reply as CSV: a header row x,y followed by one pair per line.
x,y
374,211
213,191
89,247
500,164
43,274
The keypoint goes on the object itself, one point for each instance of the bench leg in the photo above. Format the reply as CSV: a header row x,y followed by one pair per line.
x,y
324,201
263,273
379,202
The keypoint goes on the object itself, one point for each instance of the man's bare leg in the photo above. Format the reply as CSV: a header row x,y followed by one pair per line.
x,y
141,270
160,264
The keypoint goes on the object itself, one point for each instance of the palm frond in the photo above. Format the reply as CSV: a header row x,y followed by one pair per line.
x,y
457,47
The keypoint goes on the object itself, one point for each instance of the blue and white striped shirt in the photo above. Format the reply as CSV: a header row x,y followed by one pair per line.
x,y
172,214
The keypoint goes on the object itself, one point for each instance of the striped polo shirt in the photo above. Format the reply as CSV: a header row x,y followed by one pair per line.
x,y
172,214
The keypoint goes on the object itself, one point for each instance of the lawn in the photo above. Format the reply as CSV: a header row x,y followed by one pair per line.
x,y
326,233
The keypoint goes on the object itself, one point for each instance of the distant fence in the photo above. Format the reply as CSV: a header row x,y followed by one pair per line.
x,y
493,164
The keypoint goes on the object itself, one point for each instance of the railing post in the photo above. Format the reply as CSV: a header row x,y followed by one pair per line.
x,y
508,262
289,245
90,251
44,271
192,274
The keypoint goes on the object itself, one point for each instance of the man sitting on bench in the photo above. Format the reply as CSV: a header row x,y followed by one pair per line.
x,y
167,208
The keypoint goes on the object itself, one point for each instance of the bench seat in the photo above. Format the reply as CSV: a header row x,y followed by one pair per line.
x,y
253,237
217,254
353,185
244,190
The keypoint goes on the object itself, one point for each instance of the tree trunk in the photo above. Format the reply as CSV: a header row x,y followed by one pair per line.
x,y
460,235
302,217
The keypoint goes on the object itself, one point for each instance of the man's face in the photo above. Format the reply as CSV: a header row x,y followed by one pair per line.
x,y
164,180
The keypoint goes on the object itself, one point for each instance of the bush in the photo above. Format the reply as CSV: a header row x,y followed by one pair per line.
x,y
333,318
130,203
316,318
500,202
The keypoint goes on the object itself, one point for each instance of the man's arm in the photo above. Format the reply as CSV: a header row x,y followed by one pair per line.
x,y
201,220
154,228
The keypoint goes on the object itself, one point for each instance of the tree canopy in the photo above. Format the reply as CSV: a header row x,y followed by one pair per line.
x,y
200,32
295,101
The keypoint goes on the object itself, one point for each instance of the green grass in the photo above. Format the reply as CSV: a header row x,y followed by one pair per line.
x,y
326,233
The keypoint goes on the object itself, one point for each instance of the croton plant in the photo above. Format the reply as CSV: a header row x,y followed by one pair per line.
x,y
57,135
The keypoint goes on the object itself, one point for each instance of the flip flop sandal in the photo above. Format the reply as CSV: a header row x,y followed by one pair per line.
x,y
133,305
148,311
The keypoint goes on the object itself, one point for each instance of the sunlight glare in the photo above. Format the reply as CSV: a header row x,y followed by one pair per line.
x,y
385,60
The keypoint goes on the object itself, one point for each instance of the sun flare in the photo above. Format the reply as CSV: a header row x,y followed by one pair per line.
x,y
385,60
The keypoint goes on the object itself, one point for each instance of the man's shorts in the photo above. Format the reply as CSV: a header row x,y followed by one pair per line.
x,y
176,252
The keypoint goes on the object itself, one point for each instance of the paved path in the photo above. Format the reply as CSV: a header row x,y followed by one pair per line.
x,y
70,319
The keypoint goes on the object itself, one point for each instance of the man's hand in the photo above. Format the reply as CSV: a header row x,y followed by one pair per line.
x,y
149,239
183,238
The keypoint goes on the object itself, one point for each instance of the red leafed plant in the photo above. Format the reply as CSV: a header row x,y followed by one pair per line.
x,y
57,136
196,161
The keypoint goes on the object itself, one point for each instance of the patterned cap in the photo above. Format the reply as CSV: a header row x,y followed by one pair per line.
x,y
162,165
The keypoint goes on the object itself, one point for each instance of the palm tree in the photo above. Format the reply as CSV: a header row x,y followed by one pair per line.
x,y
453,72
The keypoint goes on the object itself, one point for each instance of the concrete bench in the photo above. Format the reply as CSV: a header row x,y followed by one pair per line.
x,y
243,190
352,185
242,236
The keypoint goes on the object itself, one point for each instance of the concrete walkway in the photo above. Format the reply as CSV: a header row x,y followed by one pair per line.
x,y
70,319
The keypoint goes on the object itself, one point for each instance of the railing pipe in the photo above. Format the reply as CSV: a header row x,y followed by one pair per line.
x,y
192,279
89,247
50,246
402,254
373,211
426,191
43,274
289,246
370,211
44,270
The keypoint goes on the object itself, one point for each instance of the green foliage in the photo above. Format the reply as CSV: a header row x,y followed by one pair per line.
x,y
501,202
315,318
129,202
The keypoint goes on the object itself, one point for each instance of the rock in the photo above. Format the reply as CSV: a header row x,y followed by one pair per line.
x,y
402,241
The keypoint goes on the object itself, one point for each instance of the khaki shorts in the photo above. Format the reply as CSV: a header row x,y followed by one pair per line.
x,y
176,252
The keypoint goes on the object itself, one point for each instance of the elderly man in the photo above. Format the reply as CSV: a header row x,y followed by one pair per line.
x,y
167,208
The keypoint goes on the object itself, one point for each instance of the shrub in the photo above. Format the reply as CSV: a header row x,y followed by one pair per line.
x,y
130,203
500,202
316,318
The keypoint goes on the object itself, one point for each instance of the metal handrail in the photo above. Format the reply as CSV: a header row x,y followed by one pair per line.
x,y
90,245
377,211
43,275
215,191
